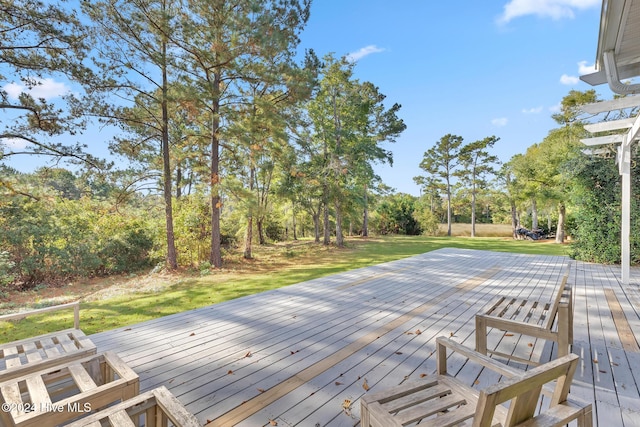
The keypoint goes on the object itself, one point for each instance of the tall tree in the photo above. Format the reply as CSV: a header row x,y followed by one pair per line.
x,y
440,162
477,164
133,40
220,41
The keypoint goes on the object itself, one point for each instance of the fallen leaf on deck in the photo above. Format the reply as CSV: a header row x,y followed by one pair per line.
x,y
418,331
595,360
508,335
273,422
409,333
398,352
338,383
423,375
192,334
451,334
128,329
603,372
476,382
346,404
261,390
365,386
530,344
229,372
248,354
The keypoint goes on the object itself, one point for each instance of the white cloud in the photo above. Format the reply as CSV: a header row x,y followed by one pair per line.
x,y
14,142
554,9
361,53
500,122
45,88
583,68
556,108
535,110
569,80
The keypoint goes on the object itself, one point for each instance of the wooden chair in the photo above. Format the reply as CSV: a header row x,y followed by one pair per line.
x,y
547,320
441,400
22,357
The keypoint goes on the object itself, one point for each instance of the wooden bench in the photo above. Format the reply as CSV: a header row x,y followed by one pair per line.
x,y
18,358
66,391
156,408
441,400
547,320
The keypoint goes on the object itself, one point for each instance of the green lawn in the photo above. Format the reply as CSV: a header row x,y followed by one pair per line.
x,y
274,266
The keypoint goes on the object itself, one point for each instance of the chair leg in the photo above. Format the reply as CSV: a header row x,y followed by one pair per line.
x,y
481,335
586,419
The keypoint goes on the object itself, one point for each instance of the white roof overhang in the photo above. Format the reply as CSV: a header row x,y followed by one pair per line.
x,y
618,53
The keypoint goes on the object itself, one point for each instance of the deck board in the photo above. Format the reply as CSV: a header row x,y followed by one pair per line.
x,y
295,355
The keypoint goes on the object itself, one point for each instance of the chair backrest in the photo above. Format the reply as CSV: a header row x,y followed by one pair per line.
x,y
524,391
563,296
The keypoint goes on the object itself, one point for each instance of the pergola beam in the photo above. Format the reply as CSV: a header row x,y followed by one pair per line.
x,y
613,104
609,125
601,140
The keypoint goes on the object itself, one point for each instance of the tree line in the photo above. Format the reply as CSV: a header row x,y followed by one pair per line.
x,y
231,136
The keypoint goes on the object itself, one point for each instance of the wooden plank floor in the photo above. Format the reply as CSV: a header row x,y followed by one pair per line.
x,y
303,355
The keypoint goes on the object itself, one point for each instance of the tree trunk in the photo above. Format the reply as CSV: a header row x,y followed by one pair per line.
x,y
326,230
365,214
316,226
562,210
339,235
215,257
534,214
514,218
248,238
448,209
295,233
473,211
172,256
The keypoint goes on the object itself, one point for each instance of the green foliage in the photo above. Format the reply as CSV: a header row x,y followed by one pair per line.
x,y
596,224
61,239
427,221
395,215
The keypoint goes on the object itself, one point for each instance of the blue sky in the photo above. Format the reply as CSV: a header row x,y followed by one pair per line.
x,y
465,67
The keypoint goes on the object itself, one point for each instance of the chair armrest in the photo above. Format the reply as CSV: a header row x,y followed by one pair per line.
x,y
442,343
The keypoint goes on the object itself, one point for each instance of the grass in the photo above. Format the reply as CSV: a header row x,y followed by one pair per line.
x,y
273,267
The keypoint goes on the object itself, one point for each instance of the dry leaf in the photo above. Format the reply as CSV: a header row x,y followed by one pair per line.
x,y
476,382
530,344
508,335
595,360
451,334
603,372
346,404
273,422
423,375
338,383
418,331
248,354
261,390
614,364
192,334
409,333
365,386
229,372
398,352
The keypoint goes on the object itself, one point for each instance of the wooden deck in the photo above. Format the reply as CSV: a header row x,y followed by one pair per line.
x,y
303,355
